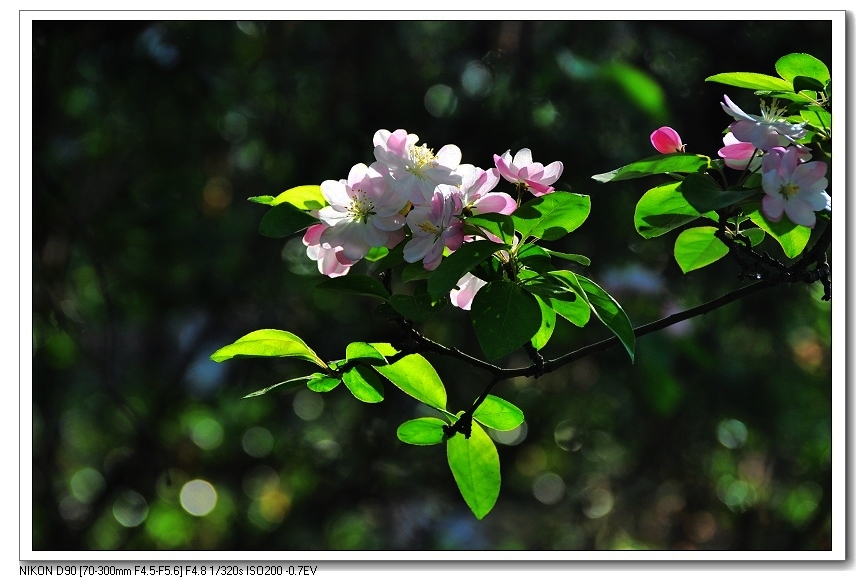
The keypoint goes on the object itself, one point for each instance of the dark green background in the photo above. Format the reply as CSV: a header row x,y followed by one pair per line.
x,y
148,138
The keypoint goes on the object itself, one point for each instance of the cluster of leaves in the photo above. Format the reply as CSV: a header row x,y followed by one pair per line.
x,y
518,307
729,214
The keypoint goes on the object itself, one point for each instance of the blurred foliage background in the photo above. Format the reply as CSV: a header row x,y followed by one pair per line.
x,y
149,137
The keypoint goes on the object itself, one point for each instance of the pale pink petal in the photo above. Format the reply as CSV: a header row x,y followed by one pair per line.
x,y
552,172
800,212
810,176
817,200
336,193
313,234
449,156
733,110
523,158
773,207
417,247
504,168
496,202
357,174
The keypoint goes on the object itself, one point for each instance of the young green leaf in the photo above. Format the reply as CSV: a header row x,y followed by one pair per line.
x,y
302,198
422,431
793,238
275,385
284,220
321,383
474,463
497,224
416,377
800,64
551,216
698,247
357,284
705,195
376,253
756,81
658,164
610,312
364,353
266,200
451,270
498,414
755,235
663,209
268,343
578,258
363,384
505,317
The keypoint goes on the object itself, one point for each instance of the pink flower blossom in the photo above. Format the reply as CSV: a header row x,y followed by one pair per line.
x,y
521,170
416,170
435,227
739,154
476,195
332,262
467,287
666,140
768,130
795,188
363,211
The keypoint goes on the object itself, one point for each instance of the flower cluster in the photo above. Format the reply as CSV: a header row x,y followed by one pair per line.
x,y
412,192
767,143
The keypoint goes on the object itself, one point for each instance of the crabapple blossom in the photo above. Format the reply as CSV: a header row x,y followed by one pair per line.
x,y
521,170
795,188
475,192
467,287
739,154
666,140
435,227
363,210
416,169
768,130
332,261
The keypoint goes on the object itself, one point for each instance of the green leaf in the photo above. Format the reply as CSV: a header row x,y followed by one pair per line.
x,y
544,286
357,284
364,353
579,258
422,431
663,209
474,463
806,84
497,224
793,238
321,383
302,198
575,311
505,317
285,220
498,414
386,349
415,271
419,307
268,343
819,119
698,247
756,81
416,377
609,312
658,164
451,270
551,216
275,385
802,65
376,253
755,235
533,257
364,384
548,325
266,200
705,195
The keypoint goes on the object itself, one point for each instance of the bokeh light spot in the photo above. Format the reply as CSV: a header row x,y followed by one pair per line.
x,y
308,405
130,509
86,484
732,433
549,488
257,442
568,436
510,437
440,101
207,433
476,80
198,497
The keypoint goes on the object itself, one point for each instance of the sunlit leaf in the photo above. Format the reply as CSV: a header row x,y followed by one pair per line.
x,y
364,353
284,220
418,378
357,284
322,383
698,247
705,195
548,325
578,258
609,312
752,81
793,238
576,311
505,317
474,463
452,268
497,224
659,164
663,209
755,235
551,216
302,198
268,343
422,431
281,383
498,414
802,65
364,384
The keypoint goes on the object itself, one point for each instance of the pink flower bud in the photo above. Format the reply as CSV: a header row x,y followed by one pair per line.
x,y
666,140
